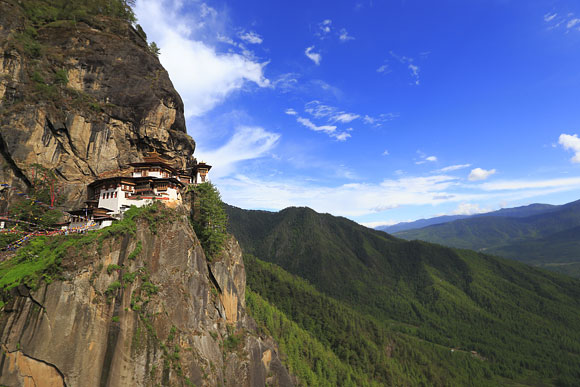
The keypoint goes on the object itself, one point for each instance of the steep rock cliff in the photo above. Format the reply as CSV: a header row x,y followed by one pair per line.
x,y
142,310
82,100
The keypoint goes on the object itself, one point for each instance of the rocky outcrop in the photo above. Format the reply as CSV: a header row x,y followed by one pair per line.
x,y
81,100
140,310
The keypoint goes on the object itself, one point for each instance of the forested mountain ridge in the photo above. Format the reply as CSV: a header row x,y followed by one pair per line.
x,y
516,318
547,239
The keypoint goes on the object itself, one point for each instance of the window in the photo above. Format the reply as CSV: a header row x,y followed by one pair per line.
x,y
103,195
115,194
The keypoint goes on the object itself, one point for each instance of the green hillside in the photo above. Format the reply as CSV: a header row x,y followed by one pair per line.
x,y
373,294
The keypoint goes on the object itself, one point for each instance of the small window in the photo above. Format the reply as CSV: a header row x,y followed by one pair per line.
x,y
103,195
115,194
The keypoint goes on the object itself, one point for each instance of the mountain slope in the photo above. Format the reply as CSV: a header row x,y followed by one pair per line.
x,y
522,321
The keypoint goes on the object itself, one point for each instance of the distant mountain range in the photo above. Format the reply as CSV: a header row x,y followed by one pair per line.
x,y
515,212
374,308
538,234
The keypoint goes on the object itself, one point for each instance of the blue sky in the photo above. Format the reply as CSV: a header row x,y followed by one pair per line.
x,y
380,111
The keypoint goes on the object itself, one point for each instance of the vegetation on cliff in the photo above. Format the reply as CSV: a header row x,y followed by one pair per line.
x,y
420,300
209,219
40,260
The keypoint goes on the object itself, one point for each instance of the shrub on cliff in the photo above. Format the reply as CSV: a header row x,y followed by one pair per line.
x,y
209,219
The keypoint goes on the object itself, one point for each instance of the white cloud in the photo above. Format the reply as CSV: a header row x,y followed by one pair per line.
x,y
251,37
410,65
385,153
286,82
516,185
345,117
342,136
333,114
469,209
318,110
324,27
571,142
571,23
310,125
453,168
246,192
568,21
247,143
425,158
291,112
480,174
313,56
415,72
549,17
328,129
344,36
384,69
380,119
379,223
203,76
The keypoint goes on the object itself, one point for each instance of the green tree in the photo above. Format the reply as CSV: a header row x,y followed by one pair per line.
x,y
209,219
154,49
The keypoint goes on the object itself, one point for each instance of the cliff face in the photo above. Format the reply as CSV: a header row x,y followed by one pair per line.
x,y
145,310
82,99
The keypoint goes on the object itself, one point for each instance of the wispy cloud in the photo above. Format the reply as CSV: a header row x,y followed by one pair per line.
x,y
331,113
410,64
344,117
549,17
328,129
203,76
251,37
363,199
286,82
571,142
324,28
247,143
344,36
313,56
452,168
567,22
384,69
480,174
385,153
424,158
568,183
291,112
380,119
469,209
